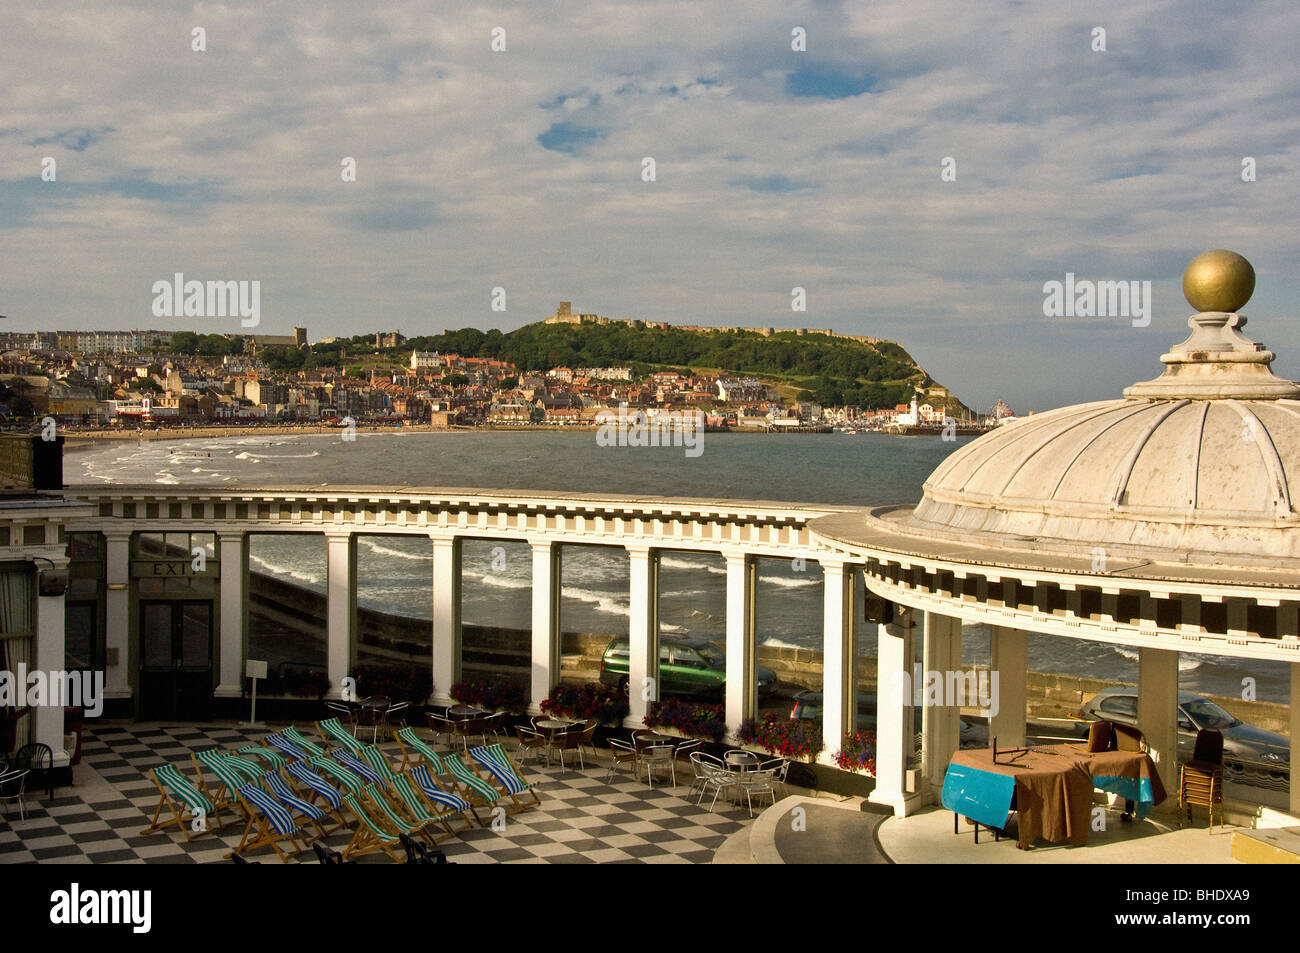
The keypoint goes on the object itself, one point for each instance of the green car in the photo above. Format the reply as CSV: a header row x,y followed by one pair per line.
x,y
686,667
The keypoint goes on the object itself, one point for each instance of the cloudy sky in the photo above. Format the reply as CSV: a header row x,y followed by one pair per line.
x,y
522,169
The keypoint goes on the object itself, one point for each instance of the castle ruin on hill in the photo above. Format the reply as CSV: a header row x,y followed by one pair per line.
x,y
564,315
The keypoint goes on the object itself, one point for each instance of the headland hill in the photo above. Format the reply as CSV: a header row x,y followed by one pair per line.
x,y
561,372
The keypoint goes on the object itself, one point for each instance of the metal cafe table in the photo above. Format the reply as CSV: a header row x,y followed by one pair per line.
x,y
1049,786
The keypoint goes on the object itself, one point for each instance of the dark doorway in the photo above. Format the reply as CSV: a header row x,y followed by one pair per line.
x,y
175,660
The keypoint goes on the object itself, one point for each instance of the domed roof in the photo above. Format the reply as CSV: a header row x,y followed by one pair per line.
x,y
1194,466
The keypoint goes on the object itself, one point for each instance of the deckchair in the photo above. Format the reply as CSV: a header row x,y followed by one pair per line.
x,y
273,821
369,836
495,760
423,779
316,786
413,747
332,732
473,788
302,741
272,759
393,814
356,765
188,800
328,766
280,790
229,780
418,808
287,748
379,762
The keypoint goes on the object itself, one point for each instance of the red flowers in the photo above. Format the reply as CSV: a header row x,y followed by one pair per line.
x,y
692,720
790,738
858,752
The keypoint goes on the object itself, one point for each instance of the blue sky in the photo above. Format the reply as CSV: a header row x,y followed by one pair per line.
x,y
774,169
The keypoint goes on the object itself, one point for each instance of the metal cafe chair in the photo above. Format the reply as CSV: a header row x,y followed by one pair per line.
x,y
12,784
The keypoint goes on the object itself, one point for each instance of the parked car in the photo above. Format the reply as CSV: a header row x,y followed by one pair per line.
x,y
686,667
808,706
1242,743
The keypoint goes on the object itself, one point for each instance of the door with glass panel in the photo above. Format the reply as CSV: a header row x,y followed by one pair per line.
x,y
175,660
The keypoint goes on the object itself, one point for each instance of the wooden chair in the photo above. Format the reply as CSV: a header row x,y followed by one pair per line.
x,y
189,807
1201,779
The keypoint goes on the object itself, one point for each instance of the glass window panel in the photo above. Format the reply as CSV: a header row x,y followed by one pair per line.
x,y
79,636
196,636
156,643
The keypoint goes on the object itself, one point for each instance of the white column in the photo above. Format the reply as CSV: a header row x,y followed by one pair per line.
x,y
446,617
117,615
1158,715
546,619
740,638
232,554
341,614
940,723
839,689
894,716
1295,734
1009,659
48,656
643,633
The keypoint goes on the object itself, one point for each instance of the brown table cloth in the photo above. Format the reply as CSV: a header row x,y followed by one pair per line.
x,y
1054,785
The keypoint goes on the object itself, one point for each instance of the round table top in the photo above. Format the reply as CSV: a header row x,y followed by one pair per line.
x,y
553,723
466,711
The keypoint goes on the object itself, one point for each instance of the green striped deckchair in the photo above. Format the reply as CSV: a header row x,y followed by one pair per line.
x,y
331,731
300,740
392,815
418,808
369,836
413,746
229,779
272,759
380,763
328,766
280,790
473,788
273,821
497,763
188,800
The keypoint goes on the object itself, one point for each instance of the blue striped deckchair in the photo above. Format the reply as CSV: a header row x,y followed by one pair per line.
x,y
356,765
316,785
286,747
280,790
331,731
423,778
418,808
272,759
302,741
273,820
413,747
473,788
229,779
339,773
189,800
369,836
497,763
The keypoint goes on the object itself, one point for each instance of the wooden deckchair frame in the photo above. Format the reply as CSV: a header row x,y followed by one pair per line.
x,y
184,814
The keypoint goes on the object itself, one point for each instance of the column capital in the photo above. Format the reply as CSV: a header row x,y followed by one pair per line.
x,y
231,535
333,534
544,546
640,550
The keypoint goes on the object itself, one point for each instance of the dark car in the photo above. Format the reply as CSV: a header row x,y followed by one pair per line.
x,y
686,667
1242,742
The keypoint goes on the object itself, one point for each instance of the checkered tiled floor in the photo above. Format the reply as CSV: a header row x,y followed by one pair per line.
x,y
581,819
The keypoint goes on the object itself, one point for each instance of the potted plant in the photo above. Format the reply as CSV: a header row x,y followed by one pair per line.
x,y
691,719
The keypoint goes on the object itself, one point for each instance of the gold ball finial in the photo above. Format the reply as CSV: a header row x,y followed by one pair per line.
x,y
1218,280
